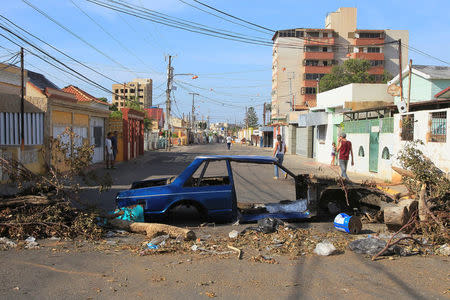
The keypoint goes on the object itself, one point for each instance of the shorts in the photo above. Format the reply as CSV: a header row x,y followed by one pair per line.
x,y
109,156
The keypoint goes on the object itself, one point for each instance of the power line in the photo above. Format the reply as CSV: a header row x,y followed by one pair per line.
x,y
56,49
234,17
204,10
112,36
76,35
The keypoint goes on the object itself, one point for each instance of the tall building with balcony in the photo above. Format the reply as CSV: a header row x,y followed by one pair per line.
x,y
139,90
302,56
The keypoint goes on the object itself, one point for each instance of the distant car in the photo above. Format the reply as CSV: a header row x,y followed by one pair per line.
x,y
214,197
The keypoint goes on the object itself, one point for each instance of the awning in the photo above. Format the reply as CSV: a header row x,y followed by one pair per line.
x,y
313,119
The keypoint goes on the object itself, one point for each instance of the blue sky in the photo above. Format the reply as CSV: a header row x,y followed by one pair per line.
x,y
229,72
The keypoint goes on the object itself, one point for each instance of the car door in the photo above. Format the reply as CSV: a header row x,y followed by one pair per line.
x,y
211,185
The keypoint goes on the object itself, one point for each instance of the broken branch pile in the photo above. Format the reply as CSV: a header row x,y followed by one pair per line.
x,y
47,220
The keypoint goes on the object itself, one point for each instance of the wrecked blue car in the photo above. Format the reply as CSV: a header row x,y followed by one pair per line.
x,y
212,193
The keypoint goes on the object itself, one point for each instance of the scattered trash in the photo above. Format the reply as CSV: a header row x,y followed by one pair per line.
x,y
295,206
346,223
6,243
324,248
152,246
239,251
30,243
211,294
55,238
369,246
444,250
264,259
160,240
269,225
233,234
194,247
133,213
110,234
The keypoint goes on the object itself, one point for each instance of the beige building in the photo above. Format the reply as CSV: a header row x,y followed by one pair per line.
x,y
302,56
140,89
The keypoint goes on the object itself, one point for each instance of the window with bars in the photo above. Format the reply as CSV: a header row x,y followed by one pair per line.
x,y
10,128
438,129
407,133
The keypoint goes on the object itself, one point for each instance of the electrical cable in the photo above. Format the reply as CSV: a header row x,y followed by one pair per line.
x,y
56,49
77,36
112,36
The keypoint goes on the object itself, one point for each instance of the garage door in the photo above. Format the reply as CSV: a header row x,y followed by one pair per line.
x,y
301,141
97,126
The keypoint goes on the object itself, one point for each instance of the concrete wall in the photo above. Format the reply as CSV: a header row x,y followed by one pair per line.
x,y
287,63
353,92
437,152
391,61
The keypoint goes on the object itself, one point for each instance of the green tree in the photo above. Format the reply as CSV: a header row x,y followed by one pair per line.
x,y
351,71
251,119
103,99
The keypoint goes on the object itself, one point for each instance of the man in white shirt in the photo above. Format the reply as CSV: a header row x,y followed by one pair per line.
x,y
109,152
228,142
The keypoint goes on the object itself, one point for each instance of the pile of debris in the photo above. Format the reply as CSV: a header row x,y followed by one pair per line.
x,y
41,217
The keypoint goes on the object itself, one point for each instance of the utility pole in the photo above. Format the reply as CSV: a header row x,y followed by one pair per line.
x,y
400,68
193,109
169,85
22,101
409,85
264,114
246,118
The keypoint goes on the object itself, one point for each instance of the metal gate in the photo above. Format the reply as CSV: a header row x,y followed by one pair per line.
x,y
374,148
97,129
301,141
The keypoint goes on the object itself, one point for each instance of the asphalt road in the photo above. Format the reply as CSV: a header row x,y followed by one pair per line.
x,y
86,270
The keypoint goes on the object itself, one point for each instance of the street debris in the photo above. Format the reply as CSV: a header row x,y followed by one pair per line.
x,y
233,234
368,245
239,251
324,248
348,224
30,243
6,243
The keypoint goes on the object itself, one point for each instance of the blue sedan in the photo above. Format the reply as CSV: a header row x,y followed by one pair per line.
x,y
214,196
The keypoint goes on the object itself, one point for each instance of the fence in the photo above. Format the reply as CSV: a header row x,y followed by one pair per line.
x,y
364,126
10,128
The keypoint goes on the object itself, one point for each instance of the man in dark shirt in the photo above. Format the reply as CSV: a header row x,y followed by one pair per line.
x,y
114,147
344,149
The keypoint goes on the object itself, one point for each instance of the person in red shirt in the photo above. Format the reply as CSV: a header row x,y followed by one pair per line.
x,y
344,149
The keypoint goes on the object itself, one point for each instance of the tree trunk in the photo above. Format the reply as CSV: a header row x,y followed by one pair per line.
x,y
395,217
22,200
411,204
422,203
153,229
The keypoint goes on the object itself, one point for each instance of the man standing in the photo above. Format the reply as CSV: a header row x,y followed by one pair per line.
x,y
344,149
114,147
228,142
109,151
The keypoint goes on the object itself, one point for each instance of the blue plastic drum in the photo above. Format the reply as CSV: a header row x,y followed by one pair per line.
x,y
346,223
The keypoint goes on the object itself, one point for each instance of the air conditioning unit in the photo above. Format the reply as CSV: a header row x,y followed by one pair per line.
x,y
402,107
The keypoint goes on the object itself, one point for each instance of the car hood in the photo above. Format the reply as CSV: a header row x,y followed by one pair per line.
x,y
144,192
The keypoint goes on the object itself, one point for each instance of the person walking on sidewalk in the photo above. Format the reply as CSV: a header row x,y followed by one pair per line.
x,y
228,142
278,153
333,154
109,152
344,149
114,146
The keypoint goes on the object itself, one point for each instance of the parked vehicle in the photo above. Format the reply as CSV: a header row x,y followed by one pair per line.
x,y
213,197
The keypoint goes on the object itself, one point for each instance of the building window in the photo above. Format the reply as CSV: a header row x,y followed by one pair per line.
x,y
116,90
407,127
310,62
374,50
312,34
369,35
322,133
312,49
385,154
324,49
140,90
361,151
438,128
313,76
132,90
375,63
117,97
121,90
308,90
299,33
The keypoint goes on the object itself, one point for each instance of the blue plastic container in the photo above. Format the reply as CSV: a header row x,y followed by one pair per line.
x,y
346,223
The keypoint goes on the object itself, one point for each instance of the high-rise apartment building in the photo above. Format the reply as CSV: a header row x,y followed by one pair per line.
x,y
302,56
140,90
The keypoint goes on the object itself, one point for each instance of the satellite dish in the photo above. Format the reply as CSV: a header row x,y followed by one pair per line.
x,y
402,107
394,90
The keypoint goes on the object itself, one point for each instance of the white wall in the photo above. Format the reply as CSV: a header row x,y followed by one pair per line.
x,y
323,150
353,92
439,153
